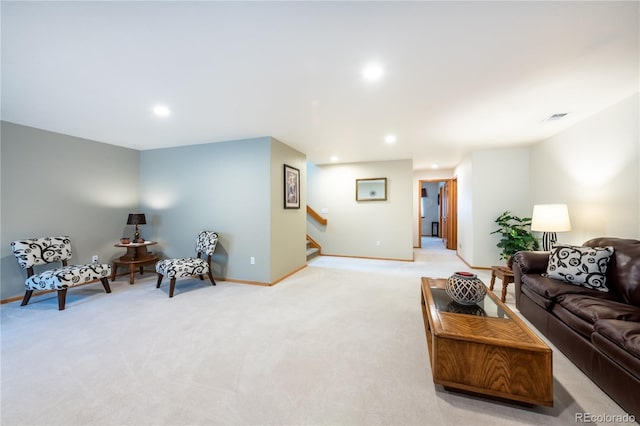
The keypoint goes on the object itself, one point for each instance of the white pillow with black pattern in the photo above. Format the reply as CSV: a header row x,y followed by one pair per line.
x,y
585,266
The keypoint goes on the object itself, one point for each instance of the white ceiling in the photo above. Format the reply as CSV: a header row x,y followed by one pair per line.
x,y
458,75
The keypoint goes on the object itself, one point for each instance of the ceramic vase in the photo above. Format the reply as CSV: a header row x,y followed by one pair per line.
x,y
465,288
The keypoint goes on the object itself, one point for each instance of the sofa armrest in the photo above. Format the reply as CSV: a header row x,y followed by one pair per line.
x,y
532,262
528,262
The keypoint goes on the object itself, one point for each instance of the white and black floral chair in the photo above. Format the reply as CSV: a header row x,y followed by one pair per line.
x,y
190,266
43,251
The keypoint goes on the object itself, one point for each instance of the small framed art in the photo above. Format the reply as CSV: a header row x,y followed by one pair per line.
x,y
371,189
291,187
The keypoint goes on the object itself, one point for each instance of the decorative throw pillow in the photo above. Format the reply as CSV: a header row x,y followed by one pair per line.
x,y
585,266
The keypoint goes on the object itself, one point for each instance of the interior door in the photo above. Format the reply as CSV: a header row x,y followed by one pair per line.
x,y
449,214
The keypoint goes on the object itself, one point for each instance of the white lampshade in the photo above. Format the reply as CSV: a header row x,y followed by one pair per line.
x,y
550,218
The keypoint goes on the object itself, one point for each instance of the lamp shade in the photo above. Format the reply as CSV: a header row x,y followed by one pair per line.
x,y
136,219
550,218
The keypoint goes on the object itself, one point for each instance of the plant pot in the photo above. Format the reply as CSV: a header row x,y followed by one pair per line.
x,y
510,262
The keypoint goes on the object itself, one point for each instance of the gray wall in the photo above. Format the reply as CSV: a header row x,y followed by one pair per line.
x,y
593,167
489,182
288,226
227,187
54,184
355,227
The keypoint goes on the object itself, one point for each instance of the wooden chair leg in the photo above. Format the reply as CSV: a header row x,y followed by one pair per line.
x,y
105,284
62,298
27,297
201,277
159,280
213,282
172,287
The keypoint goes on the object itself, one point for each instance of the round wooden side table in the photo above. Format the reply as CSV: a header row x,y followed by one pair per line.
x,y
136,257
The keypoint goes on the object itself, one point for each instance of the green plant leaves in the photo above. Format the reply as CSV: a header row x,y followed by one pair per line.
x,y
515,234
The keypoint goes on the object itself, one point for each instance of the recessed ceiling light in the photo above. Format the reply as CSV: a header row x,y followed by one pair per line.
x,y
434,166
333,158
390,139
372,72
161,111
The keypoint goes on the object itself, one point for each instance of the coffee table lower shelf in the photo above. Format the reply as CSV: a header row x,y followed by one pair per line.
x,y
495,356
133,265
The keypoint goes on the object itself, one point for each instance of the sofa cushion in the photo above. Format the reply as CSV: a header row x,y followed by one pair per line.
x,y
620,340
67,276
593,309
623,274
538,299
550,288
573,321
585,266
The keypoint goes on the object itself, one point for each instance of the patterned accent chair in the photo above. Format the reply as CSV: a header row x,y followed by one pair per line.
x,y
43,251
190,266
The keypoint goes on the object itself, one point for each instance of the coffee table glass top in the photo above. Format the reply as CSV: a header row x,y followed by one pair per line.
x,y
484,308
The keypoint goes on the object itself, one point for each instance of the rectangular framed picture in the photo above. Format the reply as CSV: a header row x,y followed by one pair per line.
x,y
291,187
371,189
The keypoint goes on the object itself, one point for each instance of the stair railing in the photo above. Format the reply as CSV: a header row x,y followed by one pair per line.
x,y
311,212
314,243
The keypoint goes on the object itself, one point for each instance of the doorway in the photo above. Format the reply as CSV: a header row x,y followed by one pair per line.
x,y
437,212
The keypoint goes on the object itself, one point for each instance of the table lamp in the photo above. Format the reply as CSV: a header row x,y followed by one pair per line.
x,y
136,219
549,219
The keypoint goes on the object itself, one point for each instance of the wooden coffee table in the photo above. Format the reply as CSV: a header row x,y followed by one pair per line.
x,y
484,349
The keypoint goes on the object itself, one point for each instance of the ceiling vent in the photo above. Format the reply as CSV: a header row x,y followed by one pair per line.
x,y
557,116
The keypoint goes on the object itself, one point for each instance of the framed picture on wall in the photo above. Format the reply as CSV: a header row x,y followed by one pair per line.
x,y
291,187
371,189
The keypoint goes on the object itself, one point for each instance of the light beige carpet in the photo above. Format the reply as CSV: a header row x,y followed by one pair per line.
x,y
341,342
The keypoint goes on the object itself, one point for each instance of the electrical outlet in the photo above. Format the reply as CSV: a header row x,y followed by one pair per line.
x,y
378,243
94,258
252,260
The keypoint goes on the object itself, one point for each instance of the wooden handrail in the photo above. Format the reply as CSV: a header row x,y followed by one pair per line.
x,y
311,212
314,243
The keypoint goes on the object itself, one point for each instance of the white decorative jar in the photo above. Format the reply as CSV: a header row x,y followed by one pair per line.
x,y
465,288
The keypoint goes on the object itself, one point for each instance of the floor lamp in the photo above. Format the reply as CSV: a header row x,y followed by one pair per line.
x,y
549,219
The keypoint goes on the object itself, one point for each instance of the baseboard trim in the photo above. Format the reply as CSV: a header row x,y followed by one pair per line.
x,y
282,278
232,280
471,266
260,283
372,258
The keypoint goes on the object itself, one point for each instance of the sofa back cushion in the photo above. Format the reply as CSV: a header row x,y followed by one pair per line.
x,y
623,272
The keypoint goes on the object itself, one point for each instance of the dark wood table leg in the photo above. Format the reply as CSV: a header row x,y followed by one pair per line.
x,y
493,279
132,270
114,268
506,280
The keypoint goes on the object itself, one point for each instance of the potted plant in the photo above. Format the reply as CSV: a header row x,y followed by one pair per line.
x,y
515,235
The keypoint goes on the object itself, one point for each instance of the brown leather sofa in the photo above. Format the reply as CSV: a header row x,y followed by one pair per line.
x,y
599,331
